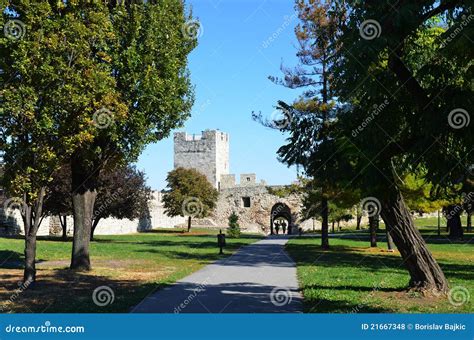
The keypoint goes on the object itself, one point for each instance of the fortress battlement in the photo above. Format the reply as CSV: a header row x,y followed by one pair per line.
x,y
208,153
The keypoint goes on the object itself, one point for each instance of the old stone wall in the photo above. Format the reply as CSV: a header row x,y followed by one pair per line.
x,y
227,181
222,155
208,153
255,217
13,225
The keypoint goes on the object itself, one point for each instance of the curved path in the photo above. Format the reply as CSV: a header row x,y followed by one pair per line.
x,y
259,278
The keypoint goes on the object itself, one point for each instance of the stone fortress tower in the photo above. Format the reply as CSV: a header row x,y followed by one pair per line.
x,y
256,204
208,153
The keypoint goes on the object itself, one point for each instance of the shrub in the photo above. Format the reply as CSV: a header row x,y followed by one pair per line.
x,y
234,228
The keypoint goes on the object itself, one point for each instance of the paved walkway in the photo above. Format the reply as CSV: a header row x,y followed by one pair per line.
x,y
259,278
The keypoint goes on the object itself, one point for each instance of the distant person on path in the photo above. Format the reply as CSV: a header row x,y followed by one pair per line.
x,y
284,227
277,228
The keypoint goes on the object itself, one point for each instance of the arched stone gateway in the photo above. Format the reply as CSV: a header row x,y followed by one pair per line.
x,y
258,206
281,211
253,201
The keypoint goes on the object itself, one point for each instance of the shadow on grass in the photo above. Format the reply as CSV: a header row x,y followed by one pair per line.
x,y
255,256
191,241
39,238
429,237
349,257
164,231
66,291
183,255
356,288
340,306
204,252
11,259
178,239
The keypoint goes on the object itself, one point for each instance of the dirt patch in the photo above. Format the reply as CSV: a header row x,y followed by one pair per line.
x,y
99,263
406,300
68,291
60,289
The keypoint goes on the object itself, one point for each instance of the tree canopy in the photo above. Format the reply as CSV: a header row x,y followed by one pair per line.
x,y
122,193
189,194
90,83
401,92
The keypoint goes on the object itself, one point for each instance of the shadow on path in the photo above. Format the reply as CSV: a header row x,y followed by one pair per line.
x,y
259,278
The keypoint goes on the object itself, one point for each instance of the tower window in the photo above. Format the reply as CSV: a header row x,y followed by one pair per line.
x,y
246,202
248,179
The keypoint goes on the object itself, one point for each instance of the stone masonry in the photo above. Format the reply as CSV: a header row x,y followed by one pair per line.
x,y
251,200
253,204
208,153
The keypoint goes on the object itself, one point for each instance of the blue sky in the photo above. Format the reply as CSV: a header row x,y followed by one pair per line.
x,y
242,43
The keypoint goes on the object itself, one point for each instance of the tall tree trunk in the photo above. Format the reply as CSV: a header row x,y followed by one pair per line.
x,y
469,221
83,208
84,193
31,216
390,244
189,224
453,217
359,220
324,201
445,211
63,221
439,223
425,273
95,223
373,226
29,274
325,223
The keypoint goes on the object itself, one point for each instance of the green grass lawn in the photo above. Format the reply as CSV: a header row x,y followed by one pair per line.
x,y
427,225
353,278
133,266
